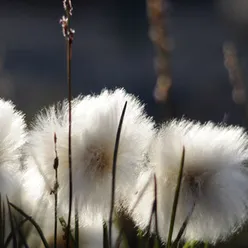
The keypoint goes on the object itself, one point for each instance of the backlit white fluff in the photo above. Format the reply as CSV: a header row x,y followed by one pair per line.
x,y
215,178
94,125
12,138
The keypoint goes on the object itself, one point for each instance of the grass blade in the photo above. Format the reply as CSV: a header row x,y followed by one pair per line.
x,y
105,235
190,244
150,219
14,238
154,211
134,206
22,240
156,242
182,229
156,238
149,224
76,226
114,172
1,224
155,205
30,219
121,240
11,234
175,202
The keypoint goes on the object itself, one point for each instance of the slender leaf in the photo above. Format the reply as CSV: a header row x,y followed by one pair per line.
x,y
190,244
182,229
133,208
8,239
22,240
1,224
30,219
12,224
118,135
175,202
105,235
76,226
155,205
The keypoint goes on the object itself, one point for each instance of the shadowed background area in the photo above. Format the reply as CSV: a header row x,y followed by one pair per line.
x,y
112,48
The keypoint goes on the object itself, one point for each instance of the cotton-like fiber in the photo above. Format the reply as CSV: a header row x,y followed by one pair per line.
x,y
95,120
215,179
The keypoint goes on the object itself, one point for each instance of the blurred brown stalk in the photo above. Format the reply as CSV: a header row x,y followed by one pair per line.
x,y
236,78
159,37
235,73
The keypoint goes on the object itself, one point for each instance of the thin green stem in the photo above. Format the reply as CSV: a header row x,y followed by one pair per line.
x,y
69,35
155,205
55,190
69,52
105,235
76,225
12,224
175,202
118,135
30,219
8,239
183,227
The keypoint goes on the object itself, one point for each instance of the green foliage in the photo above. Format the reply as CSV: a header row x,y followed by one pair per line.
x,y
118,135
30,219
105,235
176,197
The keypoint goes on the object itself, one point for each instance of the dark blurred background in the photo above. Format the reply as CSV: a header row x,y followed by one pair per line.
x,y
112,48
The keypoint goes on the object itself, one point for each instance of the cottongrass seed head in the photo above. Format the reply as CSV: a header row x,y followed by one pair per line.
x,y
214,183
95,121
12,139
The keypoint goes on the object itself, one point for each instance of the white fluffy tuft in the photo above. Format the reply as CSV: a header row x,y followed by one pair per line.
x,y
215,178
12,138
94,125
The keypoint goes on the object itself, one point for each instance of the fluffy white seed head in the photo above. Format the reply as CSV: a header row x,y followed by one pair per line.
x,y
12,134
215,179
12,138
95,121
